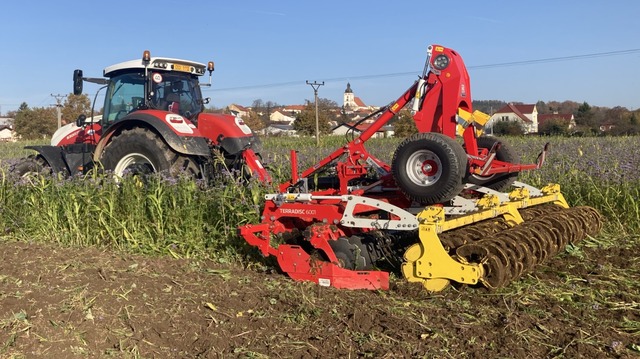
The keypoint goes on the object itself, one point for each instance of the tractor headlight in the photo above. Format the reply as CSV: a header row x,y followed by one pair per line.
x,y
441,62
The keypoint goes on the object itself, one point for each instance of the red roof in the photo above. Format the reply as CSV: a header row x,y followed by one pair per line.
x,y
519,110
240,107
359,102
294,108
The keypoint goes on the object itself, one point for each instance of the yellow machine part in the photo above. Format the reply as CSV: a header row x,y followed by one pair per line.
x,y
466,118
431,264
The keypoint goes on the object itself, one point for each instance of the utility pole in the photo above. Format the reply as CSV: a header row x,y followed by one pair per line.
x,y
58,106
315,85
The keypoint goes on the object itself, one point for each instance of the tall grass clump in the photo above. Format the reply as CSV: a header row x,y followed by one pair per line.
x,y
182,218
158,216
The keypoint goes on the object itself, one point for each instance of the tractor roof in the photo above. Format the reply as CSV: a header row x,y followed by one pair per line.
x,y
159,64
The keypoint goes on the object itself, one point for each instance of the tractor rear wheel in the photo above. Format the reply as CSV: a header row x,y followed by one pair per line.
x,y
498,181
429,168
139,151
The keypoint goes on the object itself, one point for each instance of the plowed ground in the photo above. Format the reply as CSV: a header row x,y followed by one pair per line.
x,y
88,303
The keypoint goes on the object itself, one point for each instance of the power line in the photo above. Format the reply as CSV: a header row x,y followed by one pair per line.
x,y
476,67
557,59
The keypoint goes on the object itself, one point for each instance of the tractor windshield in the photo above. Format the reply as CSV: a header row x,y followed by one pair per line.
x,y
124,94
169,91
176,92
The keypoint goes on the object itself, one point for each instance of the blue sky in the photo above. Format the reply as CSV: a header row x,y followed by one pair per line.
x,y
258,45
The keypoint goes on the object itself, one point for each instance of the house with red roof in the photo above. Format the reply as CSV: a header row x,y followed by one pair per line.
x,y
238,110
282,116
525,115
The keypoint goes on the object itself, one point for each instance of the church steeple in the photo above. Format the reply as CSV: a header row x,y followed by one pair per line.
x,y
348,99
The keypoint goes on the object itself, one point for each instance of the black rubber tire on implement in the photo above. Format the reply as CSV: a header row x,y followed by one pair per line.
x,y
140,151
438,183
32,165
498,182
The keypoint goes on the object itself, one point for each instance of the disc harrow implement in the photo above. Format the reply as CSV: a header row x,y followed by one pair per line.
x,y
447,208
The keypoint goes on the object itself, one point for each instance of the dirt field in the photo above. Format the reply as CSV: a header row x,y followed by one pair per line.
x,y
87,303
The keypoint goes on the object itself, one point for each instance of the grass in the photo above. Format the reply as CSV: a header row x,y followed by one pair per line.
x,y
180,219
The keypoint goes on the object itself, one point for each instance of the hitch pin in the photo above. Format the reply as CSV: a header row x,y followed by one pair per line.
x,y
490,158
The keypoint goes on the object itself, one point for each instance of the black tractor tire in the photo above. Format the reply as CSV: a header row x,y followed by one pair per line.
x,y
498,181
140,151
31,166
429,168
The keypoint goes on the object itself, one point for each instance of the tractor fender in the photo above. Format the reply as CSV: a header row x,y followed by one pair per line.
x,y
227,131
186,143
54,155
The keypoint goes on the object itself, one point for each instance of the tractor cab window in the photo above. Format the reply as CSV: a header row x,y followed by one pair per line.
x,y
125,93
176,92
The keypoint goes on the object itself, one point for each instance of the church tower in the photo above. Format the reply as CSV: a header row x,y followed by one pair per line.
x,y
349,101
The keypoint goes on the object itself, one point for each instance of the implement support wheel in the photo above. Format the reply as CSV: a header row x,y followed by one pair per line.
x,y
429,168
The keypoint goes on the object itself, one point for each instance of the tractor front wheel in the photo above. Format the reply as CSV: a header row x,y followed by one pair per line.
x,y
31,166
429,168
139,151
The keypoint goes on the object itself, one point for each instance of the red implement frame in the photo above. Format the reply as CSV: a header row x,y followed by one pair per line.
x,y
441,91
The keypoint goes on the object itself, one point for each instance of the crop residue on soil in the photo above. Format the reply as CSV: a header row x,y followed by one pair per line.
x,y
60,302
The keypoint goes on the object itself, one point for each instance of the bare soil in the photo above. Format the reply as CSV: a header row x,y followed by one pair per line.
x,y
60,302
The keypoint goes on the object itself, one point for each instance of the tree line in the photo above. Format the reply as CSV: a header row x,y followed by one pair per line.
x,y
41,122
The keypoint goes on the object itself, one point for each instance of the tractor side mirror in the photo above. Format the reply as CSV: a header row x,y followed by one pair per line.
x,y
80,120
77,82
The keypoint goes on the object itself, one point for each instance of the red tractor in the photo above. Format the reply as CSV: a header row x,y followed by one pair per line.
x,y
153,121
438,213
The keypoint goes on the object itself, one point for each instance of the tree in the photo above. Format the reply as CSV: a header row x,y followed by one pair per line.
x,y
404,126
264,109
35,123
508,128
488,106
584,117
254,121
74,106
553,127
305,122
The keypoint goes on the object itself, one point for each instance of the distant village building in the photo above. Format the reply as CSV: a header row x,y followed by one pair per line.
x,y
344,128
238,110
276,129
7,132
525,115
282,116
353,104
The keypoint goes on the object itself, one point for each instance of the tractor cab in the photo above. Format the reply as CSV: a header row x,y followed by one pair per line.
x,y
164,84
